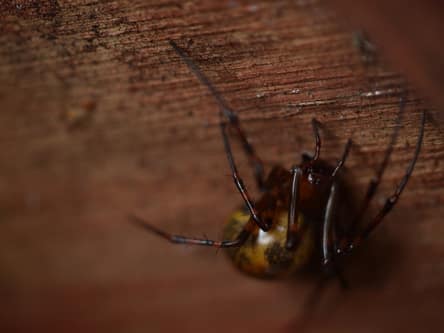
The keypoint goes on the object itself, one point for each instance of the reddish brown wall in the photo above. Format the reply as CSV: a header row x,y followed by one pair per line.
x,y
100,118
409,34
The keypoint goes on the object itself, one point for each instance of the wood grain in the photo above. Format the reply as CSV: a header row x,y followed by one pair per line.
x,y
408,35
100,118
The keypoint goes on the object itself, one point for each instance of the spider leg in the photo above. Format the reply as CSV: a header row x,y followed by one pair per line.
x,y
327,226
231,116
331,267
343,158
255,161
329,235
393,199
338,167
316,124
374,182
177,239
293,230
239,183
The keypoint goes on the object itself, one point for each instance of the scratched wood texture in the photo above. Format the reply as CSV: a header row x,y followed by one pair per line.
x,y
100,118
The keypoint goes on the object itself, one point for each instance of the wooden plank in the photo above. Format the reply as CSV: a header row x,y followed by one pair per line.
x,y
100,119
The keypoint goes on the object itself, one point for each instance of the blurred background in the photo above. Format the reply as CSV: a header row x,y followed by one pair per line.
x,y
101,119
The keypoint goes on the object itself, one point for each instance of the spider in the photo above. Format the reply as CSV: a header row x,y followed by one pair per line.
x,y
302,213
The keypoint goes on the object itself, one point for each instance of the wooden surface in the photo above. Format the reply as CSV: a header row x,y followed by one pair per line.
x,y
100,118
409,35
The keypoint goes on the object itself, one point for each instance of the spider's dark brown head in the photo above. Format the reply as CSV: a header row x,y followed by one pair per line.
x,y
315,181
317,172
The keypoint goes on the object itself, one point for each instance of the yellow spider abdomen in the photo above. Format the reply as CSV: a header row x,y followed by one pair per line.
x,y
264,253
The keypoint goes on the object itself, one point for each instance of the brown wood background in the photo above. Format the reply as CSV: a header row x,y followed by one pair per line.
x,y
99,119
409,34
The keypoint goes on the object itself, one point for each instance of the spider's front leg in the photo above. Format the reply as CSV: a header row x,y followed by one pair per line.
x,y
294,230
329,238
375,181
391,201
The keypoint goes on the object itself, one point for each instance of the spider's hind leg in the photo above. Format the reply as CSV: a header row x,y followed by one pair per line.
x,y
254,160
228,113
239,183
177,239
